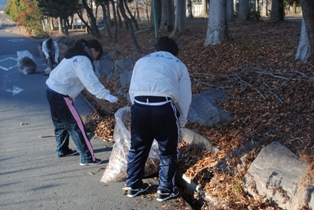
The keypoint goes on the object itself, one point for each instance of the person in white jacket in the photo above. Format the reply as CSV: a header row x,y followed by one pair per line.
x,y
51,51
74,73
160,92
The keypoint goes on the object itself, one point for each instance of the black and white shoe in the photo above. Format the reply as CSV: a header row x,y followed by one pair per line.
x,y
134,192
163,196
68,153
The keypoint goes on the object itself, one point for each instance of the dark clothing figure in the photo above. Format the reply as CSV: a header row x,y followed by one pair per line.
x,y
160,91
51,50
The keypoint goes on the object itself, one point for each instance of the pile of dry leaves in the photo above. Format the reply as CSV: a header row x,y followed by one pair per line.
x,y
270,96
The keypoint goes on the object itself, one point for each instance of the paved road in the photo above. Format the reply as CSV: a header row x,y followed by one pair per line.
x,y
31,176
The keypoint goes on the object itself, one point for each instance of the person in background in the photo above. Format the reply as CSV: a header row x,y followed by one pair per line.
x,y
74,73
160,92
51,50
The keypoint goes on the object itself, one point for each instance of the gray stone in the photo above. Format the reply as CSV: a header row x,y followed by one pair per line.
x,y
120,66
104,66
277,174
112,53
203,111
194,138
125,78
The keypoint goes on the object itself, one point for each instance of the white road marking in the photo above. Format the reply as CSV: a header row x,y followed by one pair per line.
x,y
8,59
15,90
8,68
16,40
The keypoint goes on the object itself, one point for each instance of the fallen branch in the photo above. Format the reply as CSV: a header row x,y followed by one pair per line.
x,y
304,75
251,86
46,136
211,85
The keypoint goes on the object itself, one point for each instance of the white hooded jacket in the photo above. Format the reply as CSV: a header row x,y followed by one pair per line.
x,y
72,75
162,74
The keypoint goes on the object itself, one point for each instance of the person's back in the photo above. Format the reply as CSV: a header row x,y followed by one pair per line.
x,y
51,50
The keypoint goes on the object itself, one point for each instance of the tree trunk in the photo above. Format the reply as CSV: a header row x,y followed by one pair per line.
x,y
129,23
115,31
230,10
277,11
217,30
190,11
180,18
105,19
308,15
93,26
204,12
244,10
167,20
130,13
119,16
304,49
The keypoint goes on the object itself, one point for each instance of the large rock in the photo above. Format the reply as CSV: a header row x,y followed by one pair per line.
x,y
278,175
205,112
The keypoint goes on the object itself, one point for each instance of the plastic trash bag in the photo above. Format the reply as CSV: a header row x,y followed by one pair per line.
x,y
117,166
25,62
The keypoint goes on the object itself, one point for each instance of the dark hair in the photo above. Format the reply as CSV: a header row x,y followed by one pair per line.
x,y
81,43
167,44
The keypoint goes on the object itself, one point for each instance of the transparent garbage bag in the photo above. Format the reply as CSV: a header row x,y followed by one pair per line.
x,y
117,166
25,62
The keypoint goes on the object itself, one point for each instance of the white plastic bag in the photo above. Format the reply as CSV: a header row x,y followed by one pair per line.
x,y
26,62
117,166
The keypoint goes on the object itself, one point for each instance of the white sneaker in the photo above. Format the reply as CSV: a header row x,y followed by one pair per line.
x,y
48,70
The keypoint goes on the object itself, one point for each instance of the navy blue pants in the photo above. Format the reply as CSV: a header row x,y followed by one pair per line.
x,y
67,122
148,123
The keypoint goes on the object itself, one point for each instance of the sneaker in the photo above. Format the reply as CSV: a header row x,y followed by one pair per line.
x,y
163,196
134,192
69,153
48,70
96,162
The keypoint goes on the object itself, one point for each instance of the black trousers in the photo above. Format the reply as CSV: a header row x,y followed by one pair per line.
x,y
148,123
67,122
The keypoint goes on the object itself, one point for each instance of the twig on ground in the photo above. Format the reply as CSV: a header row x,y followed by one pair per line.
x,y
251,86
211,85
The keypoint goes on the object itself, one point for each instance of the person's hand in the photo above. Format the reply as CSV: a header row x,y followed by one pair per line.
x,y
56,61
111,98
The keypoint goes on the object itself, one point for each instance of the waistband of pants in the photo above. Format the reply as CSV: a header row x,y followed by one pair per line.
x,y
152,99
51,90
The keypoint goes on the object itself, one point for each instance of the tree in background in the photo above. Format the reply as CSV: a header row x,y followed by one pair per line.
x,y
106,14
230,10
167,16
128,21
26,14
91,24
277,11
180,17
52,8
244,10
306,44
205,9
217,30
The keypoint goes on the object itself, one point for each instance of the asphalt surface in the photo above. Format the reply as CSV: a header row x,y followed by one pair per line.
x,y
31,175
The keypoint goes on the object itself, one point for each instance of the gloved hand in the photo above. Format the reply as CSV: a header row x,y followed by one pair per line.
x,y
111,98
